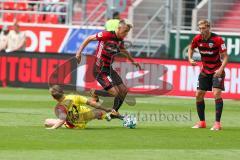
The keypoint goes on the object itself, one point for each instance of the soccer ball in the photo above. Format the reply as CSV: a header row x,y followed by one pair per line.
x,y
130,122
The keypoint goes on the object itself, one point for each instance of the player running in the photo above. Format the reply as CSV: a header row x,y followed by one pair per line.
x,y
110,43
212,50
72,112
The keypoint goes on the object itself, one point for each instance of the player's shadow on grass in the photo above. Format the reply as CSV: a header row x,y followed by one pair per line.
x,y
97,128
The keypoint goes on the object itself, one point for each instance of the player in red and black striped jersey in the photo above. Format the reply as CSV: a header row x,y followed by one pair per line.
x,y
109,45
214,59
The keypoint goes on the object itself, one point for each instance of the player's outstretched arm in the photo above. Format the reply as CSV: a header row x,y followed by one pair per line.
x,y
58,124
83,45
128,55
96,105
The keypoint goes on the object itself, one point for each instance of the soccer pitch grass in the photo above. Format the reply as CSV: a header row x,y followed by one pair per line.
x,y
163,131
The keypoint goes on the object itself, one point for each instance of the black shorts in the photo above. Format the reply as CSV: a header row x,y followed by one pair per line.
x,y
107,77
206,82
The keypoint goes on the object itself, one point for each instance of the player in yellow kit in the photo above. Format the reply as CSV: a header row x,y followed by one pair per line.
x,y
72,110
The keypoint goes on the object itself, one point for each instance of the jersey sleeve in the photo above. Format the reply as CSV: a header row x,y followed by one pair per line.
x,y
81,99
103,36
222,46
194,42
61,112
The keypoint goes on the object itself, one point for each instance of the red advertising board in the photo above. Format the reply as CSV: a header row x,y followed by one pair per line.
x,y
158,77
44,39
163,77
57,39
36,70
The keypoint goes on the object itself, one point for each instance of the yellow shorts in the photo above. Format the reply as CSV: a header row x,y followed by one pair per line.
x,y
85,115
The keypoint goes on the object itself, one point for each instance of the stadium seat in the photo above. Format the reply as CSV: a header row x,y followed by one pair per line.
x,y
22,6
8,17
91,5
230,19
53,19
77,16
23,17
9,5
35,18
41,18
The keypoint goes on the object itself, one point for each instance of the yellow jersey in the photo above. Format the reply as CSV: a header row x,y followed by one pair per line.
x,y
112,24
73,109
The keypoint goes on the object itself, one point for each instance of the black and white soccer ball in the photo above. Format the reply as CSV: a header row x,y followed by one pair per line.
x,y
130,122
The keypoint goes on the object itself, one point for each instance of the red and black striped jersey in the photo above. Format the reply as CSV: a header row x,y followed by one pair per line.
x,y
210,51
108,46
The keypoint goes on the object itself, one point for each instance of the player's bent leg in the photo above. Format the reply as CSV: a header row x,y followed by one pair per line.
x,y
100,115
113,91
200,105
123,90
119,99
102,93
105,82
96,93
93,95
88,114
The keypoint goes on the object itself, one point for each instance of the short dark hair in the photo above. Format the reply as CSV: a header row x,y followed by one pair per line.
x,y
115,15
56,92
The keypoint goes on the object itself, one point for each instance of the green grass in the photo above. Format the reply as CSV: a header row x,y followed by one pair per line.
x,y
163,132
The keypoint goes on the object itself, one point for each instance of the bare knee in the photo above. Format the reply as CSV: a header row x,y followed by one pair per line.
x,y
217,93
200,95
113,91
124,90
120,90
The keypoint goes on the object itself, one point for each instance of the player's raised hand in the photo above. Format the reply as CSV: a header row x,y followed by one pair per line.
x,y
192,62
137,65
78,57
